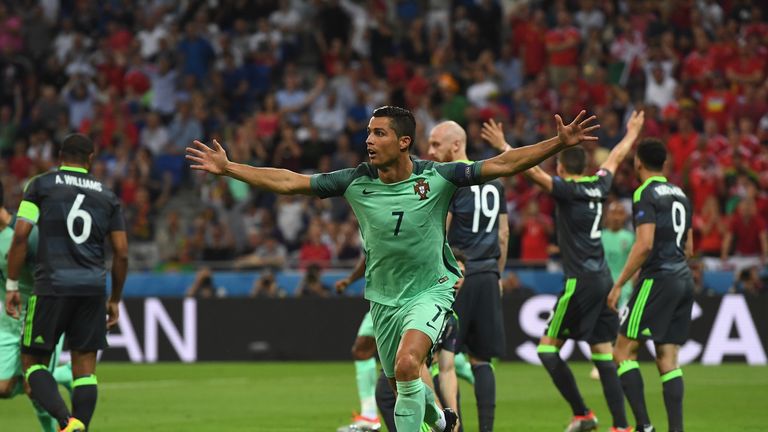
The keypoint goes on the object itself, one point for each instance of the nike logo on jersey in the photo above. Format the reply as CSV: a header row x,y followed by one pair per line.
x,y
367,192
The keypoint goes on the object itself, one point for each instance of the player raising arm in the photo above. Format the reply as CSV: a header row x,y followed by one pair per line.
x,y
580,312
402,204
660,306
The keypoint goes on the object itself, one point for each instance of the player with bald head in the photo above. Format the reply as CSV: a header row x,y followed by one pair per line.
x,y
477,225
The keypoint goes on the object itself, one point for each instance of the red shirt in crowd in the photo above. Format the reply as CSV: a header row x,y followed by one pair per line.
x,y
746,234
532,40
535,238
722,53
314,253
711,242
703,184
717,105
568,56
680,146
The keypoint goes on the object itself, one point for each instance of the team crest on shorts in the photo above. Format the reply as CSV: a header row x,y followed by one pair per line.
x,y
421,187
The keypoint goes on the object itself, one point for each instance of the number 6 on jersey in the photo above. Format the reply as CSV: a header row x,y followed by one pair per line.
x,y
78,213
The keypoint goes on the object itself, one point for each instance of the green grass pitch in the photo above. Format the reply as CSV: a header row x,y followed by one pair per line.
x,y
321,396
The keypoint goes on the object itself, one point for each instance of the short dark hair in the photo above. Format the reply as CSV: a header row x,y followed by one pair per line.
x,y
574,160
401,120
76,148
652,153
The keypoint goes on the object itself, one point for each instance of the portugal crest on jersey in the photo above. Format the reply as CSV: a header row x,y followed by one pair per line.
x,y
421,187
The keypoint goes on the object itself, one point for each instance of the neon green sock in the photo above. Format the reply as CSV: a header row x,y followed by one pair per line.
x,y
409,406
365,373
463,368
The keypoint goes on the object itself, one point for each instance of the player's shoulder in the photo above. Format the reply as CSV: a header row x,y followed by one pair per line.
x,y
40,179
363,170
421,166
655,188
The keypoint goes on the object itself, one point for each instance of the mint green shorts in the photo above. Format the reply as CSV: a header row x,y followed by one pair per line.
x,y
425,313
10,347
366,327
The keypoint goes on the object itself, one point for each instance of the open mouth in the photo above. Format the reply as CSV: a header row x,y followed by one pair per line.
x,y
371,153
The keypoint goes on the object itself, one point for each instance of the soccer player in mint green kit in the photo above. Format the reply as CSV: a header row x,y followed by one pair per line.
x,y
11,376
617,242
401,204
364,354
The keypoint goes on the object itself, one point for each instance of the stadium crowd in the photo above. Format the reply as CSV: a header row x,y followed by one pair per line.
x,y
292,84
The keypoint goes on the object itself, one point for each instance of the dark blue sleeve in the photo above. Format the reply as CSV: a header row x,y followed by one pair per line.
x,y
461,174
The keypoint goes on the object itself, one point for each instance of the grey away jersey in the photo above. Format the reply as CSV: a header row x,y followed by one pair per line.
x,y
579,214
665,205
475,225
74,213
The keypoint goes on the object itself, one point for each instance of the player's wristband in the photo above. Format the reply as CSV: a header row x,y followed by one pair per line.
x,y
11,285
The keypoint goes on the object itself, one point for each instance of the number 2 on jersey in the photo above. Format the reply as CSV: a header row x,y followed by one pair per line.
x,y
491,211
596,233
77,213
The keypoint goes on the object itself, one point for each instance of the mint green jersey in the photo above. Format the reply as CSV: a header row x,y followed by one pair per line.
x,y
26,279
617,245
10,329
402,225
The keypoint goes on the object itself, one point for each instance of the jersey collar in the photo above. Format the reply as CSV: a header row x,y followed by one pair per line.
x,y
466,161
639,191
73,169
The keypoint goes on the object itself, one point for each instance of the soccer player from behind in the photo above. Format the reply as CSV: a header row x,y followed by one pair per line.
x,y
617,242
75,213
477,225
401,204
661,304
11,377
580,312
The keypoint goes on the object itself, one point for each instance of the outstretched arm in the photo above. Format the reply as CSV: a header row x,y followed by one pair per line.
x,y
516,160
494,134
617,155
214,160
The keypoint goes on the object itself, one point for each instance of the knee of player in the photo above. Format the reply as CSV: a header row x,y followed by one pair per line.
x,y
7,387
666,362
363,349
620,355
407,367
360,353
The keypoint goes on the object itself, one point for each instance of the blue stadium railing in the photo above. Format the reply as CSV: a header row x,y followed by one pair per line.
x,y
239,284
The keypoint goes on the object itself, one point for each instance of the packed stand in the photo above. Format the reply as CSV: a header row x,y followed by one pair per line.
x,y
292,84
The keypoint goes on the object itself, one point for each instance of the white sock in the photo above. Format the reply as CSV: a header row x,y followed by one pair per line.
x,y
439,425
368,407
